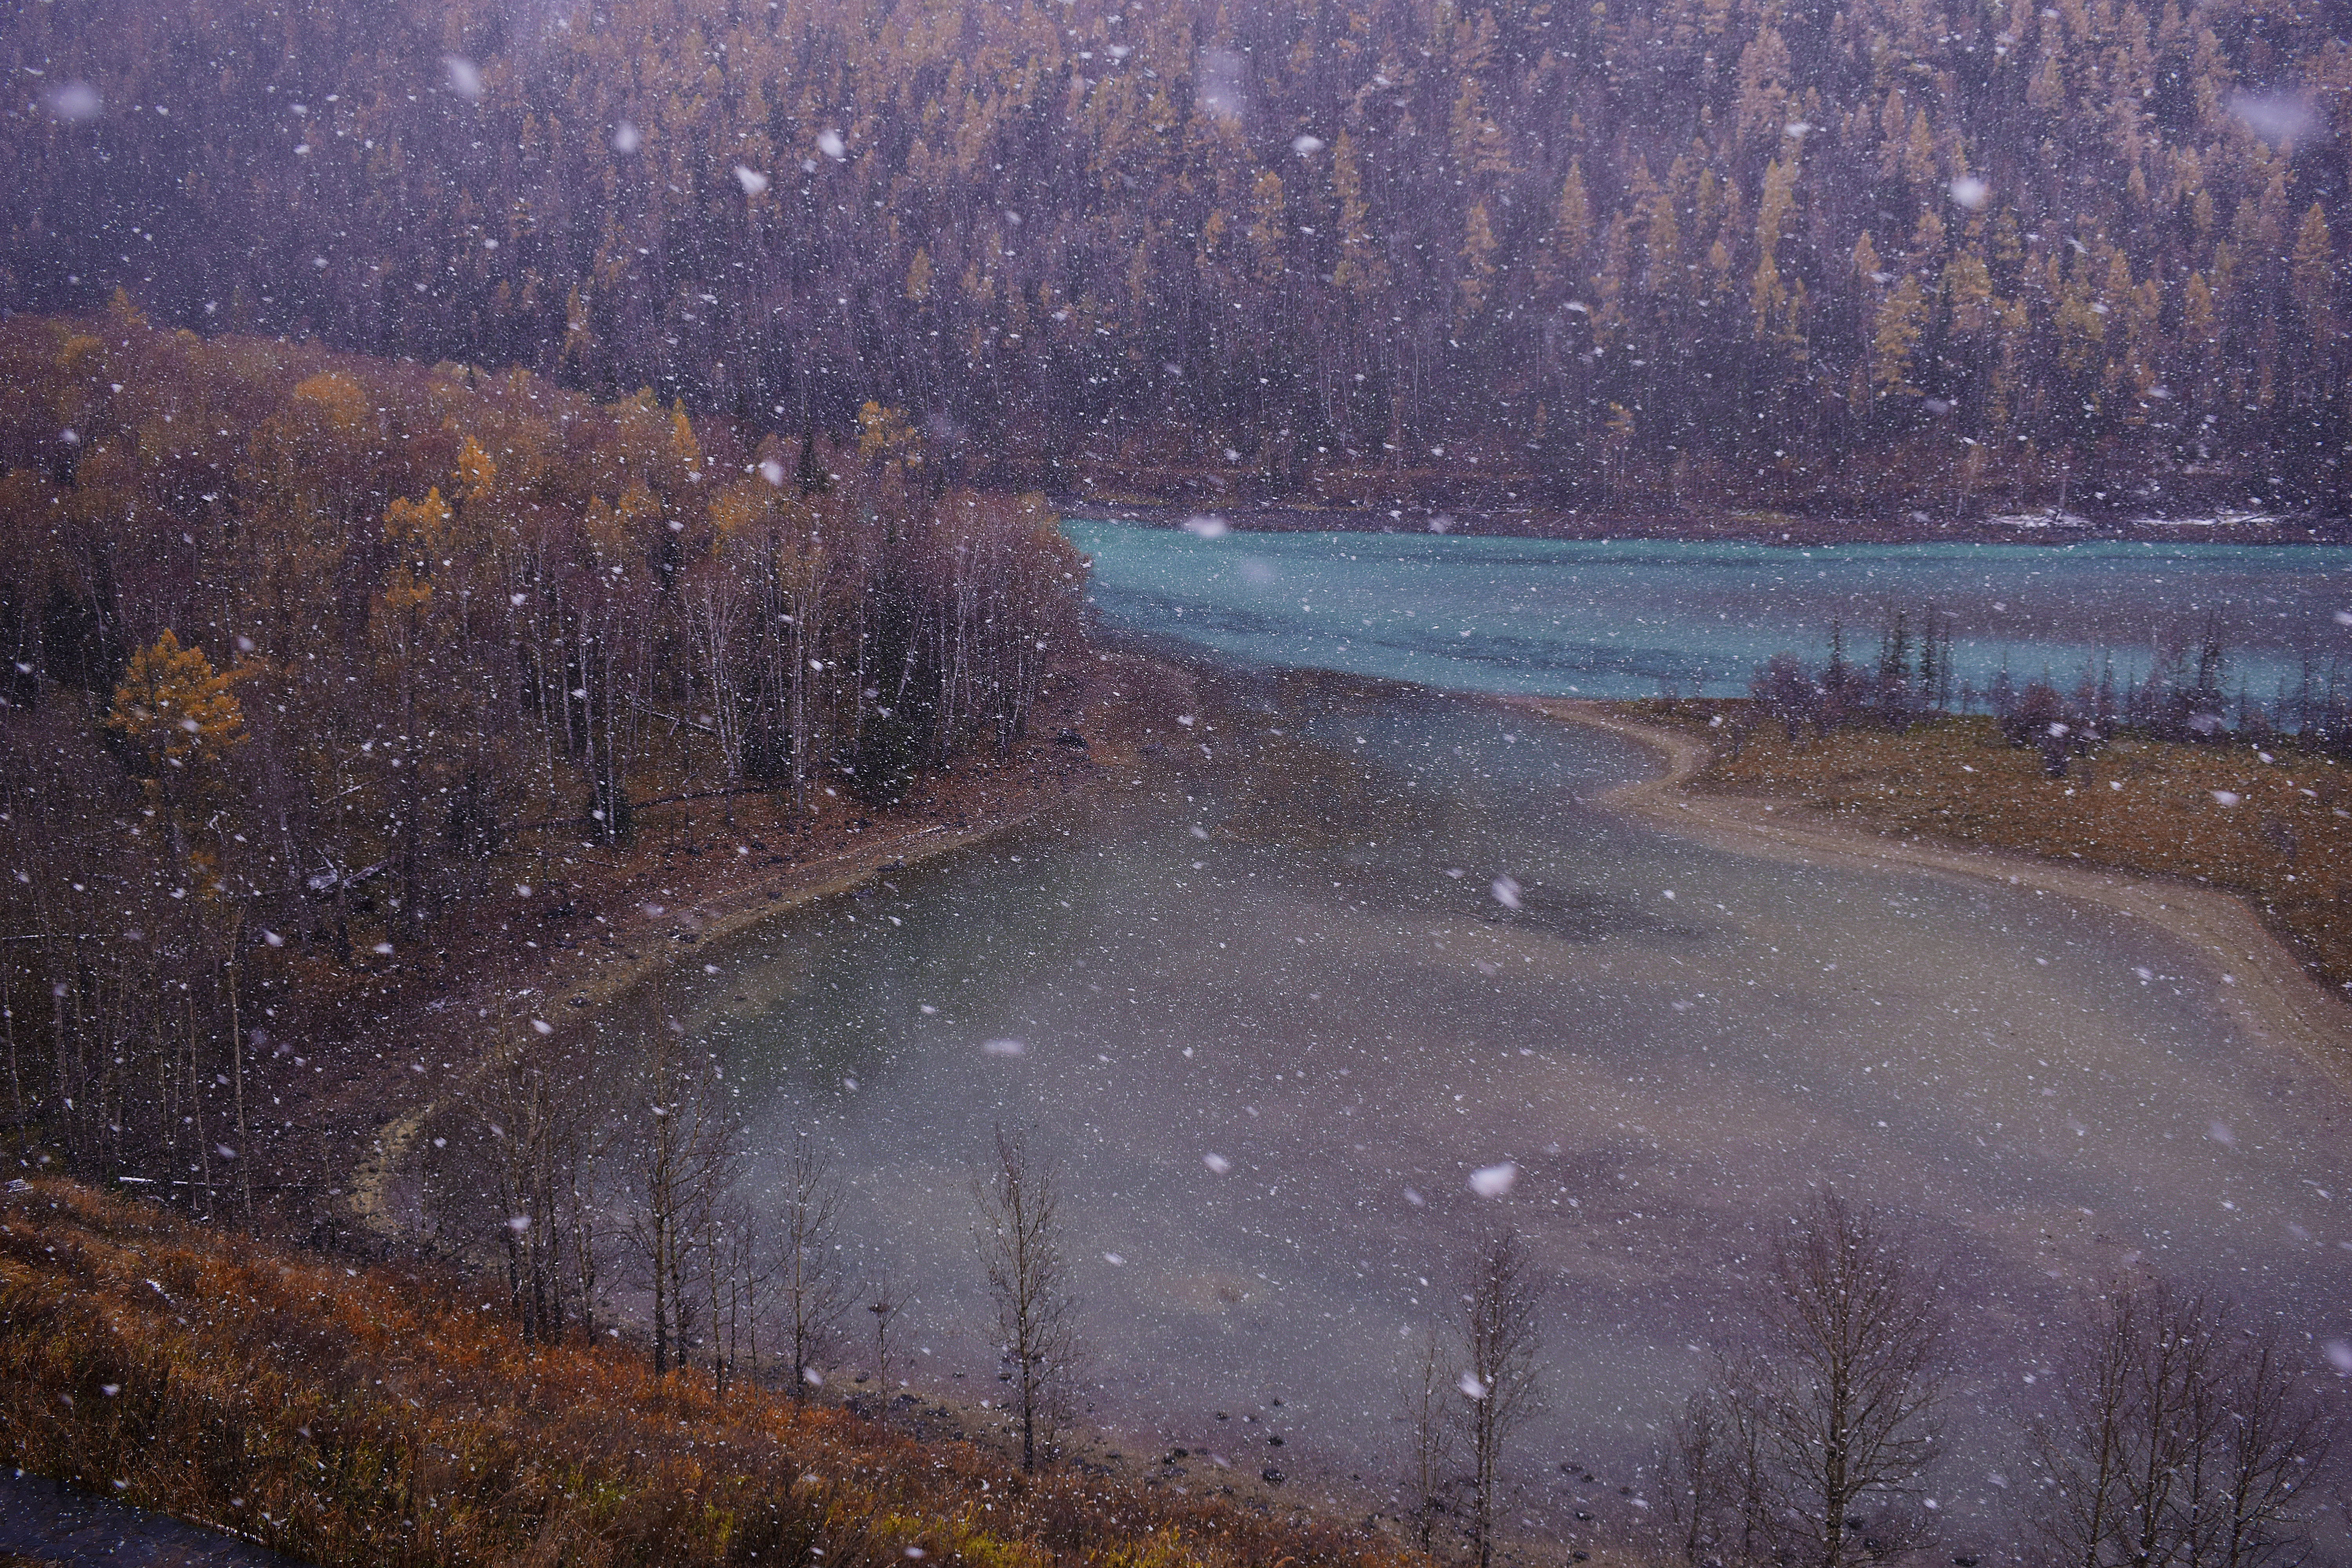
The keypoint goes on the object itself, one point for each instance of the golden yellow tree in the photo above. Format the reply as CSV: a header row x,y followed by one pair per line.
x,y
420,531
2311,274
887,442
1894,332
180,719
1562,261
1478,246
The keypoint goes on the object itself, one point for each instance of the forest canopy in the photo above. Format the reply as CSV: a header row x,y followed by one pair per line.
x,y
1879,253
302,646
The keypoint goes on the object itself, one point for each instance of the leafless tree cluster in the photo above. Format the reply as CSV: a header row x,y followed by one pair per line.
x,y
1817,1432
1467,1393
2182,1438
542,1167
650,1199
142,1057
680,1162
582,1195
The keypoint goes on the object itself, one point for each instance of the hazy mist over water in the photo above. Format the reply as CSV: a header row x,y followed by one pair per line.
x,y
1263,958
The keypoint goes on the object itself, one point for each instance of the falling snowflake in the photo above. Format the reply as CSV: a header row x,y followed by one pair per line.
x,y
465,77
1494,1180
75,101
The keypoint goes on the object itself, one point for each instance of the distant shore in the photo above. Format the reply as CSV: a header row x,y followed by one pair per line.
x,y
2266,988
2030,526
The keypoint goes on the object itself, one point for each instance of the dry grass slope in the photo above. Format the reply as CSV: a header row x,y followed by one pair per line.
x,y
2277,833
379,1416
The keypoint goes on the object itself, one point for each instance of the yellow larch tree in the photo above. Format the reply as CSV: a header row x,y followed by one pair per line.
x,y
178,718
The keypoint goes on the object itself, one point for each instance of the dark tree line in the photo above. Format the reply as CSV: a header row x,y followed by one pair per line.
x,y
2184,695
1874,253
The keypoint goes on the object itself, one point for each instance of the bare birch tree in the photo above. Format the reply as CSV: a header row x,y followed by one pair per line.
x,y
1716,1477
1691,1474
1501,1335
811,1293
1429,1389
1019,1236
682,1157
1845,1380
2083,1451
2178,1439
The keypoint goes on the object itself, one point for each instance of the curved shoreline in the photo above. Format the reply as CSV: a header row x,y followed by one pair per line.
x,y
1115,691
704,919
2265,990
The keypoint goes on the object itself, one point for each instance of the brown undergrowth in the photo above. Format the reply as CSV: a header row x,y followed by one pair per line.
x,y
389,1416
2276,832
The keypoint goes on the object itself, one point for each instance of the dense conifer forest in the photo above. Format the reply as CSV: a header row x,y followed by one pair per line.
x,y
1812,257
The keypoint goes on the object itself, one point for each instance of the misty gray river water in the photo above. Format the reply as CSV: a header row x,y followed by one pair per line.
x,y
1271,1017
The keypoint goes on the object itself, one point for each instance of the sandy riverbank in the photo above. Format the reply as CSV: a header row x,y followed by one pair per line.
x,y
2268,991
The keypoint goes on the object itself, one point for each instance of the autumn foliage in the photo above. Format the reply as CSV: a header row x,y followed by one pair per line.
x,y
303,648
1858,257
380,1418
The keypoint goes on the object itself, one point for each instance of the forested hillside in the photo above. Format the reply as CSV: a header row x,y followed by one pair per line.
x,y
304,648
1856,256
